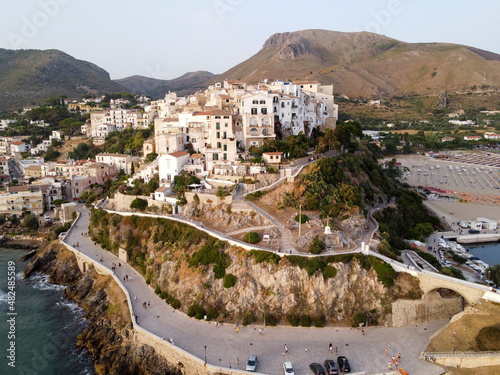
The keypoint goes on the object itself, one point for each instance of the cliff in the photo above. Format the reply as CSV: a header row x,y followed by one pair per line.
x,y
203,276
109,336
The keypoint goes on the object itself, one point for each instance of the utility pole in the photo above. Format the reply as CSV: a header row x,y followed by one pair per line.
x,y
205,356
300,217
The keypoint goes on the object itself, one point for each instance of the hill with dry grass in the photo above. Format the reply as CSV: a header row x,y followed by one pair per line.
x,y
369,65
31,76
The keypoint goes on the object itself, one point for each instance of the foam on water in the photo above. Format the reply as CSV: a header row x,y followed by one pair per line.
x,y
3,296
41,282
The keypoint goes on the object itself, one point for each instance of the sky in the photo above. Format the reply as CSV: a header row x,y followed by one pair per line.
x,y
166,38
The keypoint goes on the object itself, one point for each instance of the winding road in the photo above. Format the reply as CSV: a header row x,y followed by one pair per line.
x,y
225,346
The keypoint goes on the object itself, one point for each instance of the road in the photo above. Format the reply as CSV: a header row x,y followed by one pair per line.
x,y
225,346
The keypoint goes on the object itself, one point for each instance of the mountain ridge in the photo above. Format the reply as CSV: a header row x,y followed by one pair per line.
x,y
28,76
365,64
157,88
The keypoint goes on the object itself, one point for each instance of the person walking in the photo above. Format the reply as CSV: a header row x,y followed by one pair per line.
x,y
330,348
286,349
385,351
260,331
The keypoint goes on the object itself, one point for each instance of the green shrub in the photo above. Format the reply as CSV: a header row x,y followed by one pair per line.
x,y
319,321
271,320
302,218
229,280
196,310
158,290
219,271
265,256
139,204
317,246
385,273
305,320
329,272
358,319
251,237
293,319
248,318
212,313
175,303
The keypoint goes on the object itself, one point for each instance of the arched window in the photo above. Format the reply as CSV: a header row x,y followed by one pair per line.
x,y
265,131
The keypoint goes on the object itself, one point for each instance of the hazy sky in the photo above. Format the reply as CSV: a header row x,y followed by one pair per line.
x,y
167,38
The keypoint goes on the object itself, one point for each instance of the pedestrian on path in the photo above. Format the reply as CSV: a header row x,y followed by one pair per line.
x,y
260,331
385,351
330,348
389,365
149,304
393,359
363,331
336,351
286,349
399,357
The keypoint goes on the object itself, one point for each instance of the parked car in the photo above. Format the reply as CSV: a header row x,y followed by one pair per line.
x,y
331,368
252,363
474,231
343,364
288,369
317,369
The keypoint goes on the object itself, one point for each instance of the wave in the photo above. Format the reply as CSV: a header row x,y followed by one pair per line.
x,y
3,296
41,282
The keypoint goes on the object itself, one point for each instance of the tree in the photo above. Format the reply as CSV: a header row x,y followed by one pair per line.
x,y
30,221
317,246
139,204
493,273
251,237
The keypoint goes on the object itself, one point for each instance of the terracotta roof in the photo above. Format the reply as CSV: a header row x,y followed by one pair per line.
x,y
196,156
178,154
162,189
17,143
113,155
272,153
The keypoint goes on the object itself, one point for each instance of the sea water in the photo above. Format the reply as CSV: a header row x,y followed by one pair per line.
x,y
488,252
45,328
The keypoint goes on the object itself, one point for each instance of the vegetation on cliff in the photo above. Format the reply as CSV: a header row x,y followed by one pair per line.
x,y
205,276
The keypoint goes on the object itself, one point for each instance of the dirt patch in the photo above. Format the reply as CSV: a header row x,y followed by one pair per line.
x,y
69,145
461,333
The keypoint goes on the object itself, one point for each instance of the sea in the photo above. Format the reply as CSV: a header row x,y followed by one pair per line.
x,y
487,252
43,332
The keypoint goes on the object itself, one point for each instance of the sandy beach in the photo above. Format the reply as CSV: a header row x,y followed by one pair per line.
x,y
478,184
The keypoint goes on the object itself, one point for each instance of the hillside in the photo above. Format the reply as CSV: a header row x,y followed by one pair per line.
x,y
157,88
28,76
369,65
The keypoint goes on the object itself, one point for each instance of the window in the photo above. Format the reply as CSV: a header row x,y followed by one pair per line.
x,y
218,135
217,125
255,102
216,157
262,102
265,131
226,125
263,111
225,156
254,111
218,144
226,117
217,117
282,104
225,148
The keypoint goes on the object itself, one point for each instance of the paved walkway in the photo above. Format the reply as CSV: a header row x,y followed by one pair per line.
x,y
224,346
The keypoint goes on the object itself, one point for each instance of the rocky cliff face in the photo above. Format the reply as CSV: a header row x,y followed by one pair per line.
x,y
109,338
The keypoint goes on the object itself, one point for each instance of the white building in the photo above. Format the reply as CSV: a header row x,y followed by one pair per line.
x,y
121,161
170,165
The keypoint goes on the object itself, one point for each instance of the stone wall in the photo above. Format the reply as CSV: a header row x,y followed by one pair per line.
x,y
431,307
209,198
465,360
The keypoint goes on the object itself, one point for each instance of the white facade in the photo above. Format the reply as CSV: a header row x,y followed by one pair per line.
x,y
170,165
121,161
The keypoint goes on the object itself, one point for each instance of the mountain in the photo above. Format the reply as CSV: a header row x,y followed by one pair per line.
x,y
367,65
157,88
28,76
